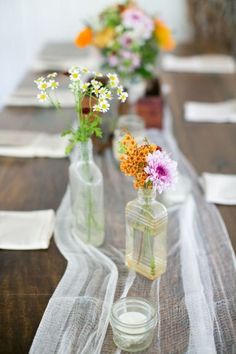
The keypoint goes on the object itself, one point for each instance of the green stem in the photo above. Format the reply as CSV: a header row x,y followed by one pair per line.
x,y
146,235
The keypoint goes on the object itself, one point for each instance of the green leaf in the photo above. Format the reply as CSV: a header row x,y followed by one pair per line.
x,y
66,132
69,148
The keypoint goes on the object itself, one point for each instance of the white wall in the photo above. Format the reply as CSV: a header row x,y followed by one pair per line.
x,y
25,25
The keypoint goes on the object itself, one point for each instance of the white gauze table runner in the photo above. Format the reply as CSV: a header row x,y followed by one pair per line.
x,y
195,297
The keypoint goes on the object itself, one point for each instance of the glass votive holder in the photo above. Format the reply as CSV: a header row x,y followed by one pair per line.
x,y
133,321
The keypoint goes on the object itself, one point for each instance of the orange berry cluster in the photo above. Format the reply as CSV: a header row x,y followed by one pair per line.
x,y
133,159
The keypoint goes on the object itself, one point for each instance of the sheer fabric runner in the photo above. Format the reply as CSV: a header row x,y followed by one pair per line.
x,y
195,298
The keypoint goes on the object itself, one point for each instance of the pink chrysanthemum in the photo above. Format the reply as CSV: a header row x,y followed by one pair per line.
x,y
161,170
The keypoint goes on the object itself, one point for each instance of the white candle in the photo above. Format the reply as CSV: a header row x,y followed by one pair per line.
x,y
132,317
133,321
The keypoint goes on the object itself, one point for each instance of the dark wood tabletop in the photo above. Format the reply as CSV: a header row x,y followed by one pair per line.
x,y
28,278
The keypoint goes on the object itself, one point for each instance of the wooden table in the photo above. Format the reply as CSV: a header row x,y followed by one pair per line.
x,y
28,279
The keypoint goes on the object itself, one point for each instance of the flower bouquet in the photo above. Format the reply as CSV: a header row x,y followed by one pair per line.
x,y
146,219
86,182
130,41
128,38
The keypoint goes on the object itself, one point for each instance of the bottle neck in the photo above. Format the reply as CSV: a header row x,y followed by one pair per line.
x,y
146,196
85,149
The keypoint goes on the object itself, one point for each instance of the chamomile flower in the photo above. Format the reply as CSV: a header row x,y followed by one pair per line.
x,y
96,108
123,96
84,86
106,94
53,84
42,96
52,75
84,70
96,84
75,76
96,91
73,69
98,74
119,90
104,105
40,79
113,83
113,77
43,85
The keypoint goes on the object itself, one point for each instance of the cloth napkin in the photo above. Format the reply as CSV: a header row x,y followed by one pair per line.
x,y
28,97
219,188
89,58
29,230
31,144
211,63
221,112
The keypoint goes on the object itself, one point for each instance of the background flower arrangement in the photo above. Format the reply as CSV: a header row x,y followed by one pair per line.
x,y
129,39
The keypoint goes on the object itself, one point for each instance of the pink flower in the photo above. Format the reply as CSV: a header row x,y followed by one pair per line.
x,y
139,25
161,170
113,60
125,40
132,57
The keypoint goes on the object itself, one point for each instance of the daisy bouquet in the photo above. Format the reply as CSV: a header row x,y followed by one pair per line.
x,y
92,98
128,38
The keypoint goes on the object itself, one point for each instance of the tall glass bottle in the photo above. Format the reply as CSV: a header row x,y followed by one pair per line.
x,y
86,183
146,225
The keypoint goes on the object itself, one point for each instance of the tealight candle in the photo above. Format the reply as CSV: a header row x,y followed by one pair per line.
x,y
133,321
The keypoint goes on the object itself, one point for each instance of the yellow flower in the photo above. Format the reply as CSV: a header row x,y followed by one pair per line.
x,y
164,36
102,38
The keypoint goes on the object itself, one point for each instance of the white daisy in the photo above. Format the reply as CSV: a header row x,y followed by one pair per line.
x,y
96,84
40,79
113,77
98,74
123,96
53,84
42,96
43,85
96,108
84,70
84,86
73,69
96,91
113,83
106,94
75,76
104,105
120,90
52,75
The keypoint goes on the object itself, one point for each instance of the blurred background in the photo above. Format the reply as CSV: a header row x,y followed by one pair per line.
x,y
26,25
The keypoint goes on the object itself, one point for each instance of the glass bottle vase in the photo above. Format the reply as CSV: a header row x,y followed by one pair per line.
x,y
86,183
146,226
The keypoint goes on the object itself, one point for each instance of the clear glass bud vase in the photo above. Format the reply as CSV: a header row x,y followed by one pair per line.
x,y
86,183
146,225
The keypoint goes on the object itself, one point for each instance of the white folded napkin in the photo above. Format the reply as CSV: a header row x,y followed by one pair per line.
x,y
89,58
221,112
28,97
207,63
28,230
219,188
31,144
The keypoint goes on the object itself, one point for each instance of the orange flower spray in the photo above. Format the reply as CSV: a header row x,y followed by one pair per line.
x,y
133,159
